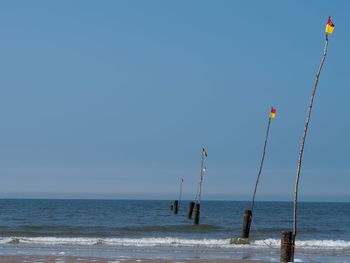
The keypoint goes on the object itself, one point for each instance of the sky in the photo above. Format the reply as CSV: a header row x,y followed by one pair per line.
x,y
114,99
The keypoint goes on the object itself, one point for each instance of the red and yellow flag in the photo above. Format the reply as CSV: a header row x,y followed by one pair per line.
x,y
273,113
329,26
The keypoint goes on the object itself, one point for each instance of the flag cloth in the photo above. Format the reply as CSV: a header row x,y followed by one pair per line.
x,y
329,26
204,152
273,113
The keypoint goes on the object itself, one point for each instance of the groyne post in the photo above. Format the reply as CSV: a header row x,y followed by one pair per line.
x,y
246,223
190,210
176,206
196,213
287,248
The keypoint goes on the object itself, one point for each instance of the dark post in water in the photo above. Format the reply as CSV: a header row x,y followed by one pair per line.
x,y
175,206
190,210
196,213
287,249
246,223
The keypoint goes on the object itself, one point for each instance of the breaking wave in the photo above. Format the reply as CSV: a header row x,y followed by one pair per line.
x,y
170,242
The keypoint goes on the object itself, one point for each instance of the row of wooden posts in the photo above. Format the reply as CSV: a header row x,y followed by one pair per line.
x,y
287,237
193,209
287,251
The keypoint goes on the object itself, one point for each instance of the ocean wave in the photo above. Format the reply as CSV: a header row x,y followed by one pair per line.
x,y
102,231
171,242
137,242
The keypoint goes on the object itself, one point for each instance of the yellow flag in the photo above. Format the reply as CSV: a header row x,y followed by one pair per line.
x,y
273,113
329,26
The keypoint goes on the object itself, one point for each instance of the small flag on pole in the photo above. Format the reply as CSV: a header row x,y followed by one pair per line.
x,y
204,152
273,113
329,26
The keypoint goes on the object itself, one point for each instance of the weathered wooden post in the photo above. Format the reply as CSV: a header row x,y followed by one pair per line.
x,y
287,248
176,206
196,213
190,210
246,223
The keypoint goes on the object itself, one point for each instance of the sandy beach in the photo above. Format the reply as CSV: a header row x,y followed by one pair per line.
x,y
42,259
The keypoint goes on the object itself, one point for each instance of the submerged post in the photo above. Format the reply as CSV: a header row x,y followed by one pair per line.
x,y
196,213
175,206
287,249
246,223
190,210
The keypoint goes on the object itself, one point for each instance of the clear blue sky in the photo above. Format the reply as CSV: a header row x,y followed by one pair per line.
x,y
114,99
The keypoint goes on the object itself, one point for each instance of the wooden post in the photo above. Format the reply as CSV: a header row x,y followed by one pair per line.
x,y
287,248
246,223
190,210
303,141
196,213
175,206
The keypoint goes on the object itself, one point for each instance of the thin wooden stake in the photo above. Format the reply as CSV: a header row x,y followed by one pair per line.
x,y
201,180
199,190
181,183
261,164
303,141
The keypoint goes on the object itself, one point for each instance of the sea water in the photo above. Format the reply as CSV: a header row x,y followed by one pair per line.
x,y
148,229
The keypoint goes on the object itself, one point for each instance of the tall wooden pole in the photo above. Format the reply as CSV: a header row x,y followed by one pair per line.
x,y
261,163
199,192
249,213
181,183
201,180
303,142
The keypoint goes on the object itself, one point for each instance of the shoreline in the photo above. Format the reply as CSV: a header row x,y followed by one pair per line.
x,y
69,259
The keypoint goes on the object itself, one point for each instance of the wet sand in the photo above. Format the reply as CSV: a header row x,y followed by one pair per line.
x,y
44,259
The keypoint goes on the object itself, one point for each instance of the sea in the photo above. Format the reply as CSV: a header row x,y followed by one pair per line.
x,y
129,229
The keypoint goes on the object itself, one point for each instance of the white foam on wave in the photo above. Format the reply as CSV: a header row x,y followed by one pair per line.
x,y
308,244
136,242
170,241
